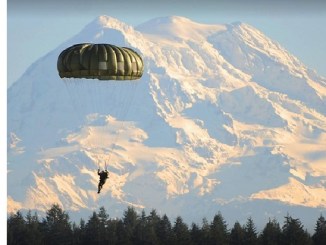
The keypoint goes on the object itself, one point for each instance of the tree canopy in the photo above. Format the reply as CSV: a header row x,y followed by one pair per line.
x,y
139,228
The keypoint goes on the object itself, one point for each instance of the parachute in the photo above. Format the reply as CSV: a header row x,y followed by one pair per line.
x,y
100,61
91,73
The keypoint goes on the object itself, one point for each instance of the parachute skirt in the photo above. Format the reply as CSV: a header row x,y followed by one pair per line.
x,y
97,75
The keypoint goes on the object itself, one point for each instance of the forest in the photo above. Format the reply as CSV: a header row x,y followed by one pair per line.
x,y
141,228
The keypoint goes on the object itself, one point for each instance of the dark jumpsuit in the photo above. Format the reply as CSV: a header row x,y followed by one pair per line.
x,y
103,176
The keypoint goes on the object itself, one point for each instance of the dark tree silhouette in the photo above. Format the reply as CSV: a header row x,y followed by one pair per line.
x,y
197,235
16,229
134,228
271,234
181,232
219,231
103,218
237,234
57,226
206,231
250,233
78,232
293,232
165,234
319,237
92,230
34,234
130,220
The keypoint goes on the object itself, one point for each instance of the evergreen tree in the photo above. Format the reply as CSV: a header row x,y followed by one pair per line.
x,y
112,231
122,236
237,234
34,235
76,234
151,228
218,230
293,233
138,236
250,233
80,234
181,232
57,226
154,220
206,232
196,235
271,234
153,217
103,219
164,232
92,230
319,237
145,230
130,220
16,229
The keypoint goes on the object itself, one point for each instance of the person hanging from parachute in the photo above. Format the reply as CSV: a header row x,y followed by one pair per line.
x,y
99,62
104,175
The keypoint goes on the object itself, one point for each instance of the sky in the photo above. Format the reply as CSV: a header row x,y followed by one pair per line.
x,y
36,27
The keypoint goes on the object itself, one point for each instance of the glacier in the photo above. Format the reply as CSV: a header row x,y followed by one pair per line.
x,y
223,119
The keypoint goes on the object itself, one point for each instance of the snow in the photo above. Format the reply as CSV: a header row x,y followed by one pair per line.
x,y
296,193
222,117
177,27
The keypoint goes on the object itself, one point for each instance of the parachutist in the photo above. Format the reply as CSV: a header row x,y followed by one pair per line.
x,y
86,62
103,176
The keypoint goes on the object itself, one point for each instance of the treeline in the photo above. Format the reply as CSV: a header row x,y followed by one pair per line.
x,y
135,228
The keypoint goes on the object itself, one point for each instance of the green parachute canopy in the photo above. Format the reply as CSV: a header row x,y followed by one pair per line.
x,y
100,61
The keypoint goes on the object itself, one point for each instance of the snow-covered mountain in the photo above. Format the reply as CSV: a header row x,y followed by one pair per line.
x,y
223,119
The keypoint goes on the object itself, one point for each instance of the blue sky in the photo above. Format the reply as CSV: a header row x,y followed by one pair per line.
x,y
36,27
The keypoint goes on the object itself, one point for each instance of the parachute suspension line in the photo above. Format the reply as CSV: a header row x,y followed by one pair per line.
x,y
90,93
70,85
97,92
96,99
83,103
105,90
100,167
123,117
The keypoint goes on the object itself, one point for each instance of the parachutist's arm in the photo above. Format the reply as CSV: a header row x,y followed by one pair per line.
x,y
98,171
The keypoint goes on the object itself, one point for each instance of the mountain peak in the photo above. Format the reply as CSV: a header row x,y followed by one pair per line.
x,y
179,27
105,29
172,19
107,22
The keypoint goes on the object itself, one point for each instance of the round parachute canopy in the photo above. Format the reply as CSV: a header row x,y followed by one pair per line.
x,y
100,61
